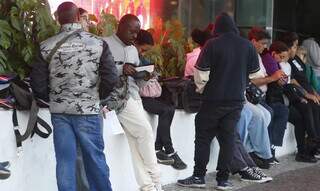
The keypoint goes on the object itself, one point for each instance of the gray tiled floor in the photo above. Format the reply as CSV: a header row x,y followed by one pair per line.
x,y
287,163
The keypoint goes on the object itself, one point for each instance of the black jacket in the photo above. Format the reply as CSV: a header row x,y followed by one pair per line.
x,y
229,58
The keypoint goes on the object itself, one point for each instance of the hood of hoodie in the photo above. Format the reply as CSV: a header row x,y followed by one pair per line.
x,y
224,24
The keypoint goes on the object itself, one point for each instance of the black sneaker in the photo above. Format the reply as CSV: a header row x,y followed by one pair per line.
x,y
224,185
4,173
192,182
5,164
262,174
317,154
260,162
305,158
248,175
274,160
163,158
178,163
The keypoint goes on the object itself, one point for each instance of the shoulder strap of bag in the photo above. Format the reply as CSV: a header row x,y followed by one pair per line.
x,y
32,126
39,132
60,43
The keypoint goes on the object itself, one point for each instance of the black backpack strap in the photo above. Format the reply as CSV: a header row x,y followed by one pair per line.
x,y
39,132
60,43
32,126
16,128
31,123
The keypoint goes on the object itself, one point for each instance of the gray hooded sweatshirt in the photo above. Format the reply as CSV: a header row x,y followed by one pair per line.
x,y
313,56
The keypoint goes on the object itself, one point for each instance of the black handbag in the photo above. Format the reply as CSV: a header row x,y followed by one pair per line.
x,y
293,92
180,92
254,94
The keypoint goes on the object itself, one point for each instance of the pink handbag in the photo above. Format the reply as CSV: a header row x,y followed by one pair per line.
x,y
150,88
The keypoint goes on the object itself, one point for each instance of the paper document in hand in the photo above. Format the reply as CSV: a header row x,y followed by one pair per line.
x,y
149,68
111,122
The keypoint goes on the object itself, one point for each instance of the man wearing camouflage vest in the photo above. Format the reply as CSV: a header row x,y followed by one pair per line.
x,y
75,70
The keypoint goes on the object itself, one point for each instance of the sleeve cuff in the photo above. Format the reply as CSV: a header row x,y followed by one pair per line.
x,y
202,68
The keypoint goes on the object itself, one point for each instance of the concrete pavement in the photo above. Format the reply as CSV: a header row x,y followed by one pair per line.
x,y
281,174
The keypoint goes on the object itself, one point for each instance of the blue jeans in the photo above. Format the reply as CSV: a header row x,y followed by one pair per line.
x,y
243,123
86,130
279,118
256,137
81,177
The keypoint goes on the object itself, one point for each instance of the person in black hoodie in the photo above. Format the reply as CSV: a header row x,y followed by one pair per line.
x,y
221,75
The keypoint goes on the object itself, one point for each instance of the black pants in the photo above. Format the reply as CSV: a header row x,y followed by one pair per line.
x,y
302,116
215,120
240,159
316,117
166,113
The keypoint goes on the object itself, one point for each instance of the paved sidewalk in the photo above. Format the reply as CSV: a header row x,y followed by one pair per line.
x,y
287,163
305,179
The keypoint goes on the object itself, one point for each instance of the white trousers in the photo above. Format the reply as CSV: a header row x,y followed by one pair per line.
x,y
141,142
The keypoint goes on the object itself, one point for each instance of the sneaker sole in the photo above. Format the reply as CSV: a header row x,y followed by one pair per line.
x,y
267,179
4,175
165,162
255,181
180,168
223,188
192,185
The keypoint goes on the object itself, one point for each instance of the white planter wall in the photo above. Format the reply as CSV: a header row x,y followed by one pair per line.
x,y
34,168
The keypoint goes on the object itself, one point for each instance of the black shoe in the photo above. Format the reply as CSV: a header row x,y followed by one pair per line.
x,y
224,185
260,162
317,154
192,182
5,164
258,171
248,175
178,163
305,158
4,173
163,158
274,160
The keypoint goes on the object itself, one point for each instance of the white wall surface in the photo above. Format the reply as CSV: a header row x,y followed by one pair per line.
x,y
34,168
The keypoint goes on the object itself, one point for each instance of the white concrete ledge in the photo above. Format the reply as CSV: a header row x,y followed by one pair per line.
x,y
34,169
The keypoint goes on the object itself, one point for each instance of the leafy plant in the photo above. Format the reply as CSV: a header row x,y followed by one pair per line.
x,y
5,43
154,55
23,25
107,25
171,47
173,44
